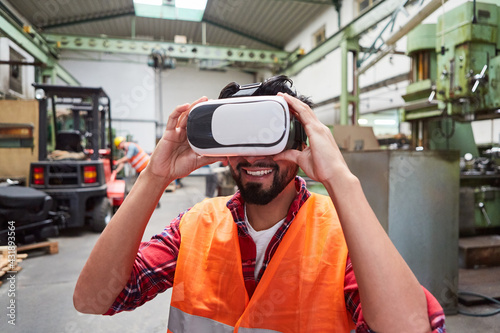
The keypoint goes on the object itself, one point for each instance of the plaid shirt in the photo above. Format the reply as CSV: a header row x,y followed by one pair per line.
x,y
154,267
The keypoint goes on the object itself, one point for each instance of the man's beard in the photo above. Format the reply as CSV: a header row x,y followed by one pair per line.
x,y
253,193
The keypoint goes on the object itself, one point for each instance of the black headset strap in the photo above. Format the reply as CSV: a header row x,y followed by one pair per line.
x,y
247,89
300,135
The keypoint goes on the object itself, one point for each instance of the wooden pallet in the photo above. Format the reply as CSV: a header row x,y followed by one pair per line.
x,y
51,247
6,264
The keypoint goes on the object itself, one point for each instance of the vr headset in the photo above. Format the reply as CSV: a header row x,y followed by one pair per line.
x,y
243,126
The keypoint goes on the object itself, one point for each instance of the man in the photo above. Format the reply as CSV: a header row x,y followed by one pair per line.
x,y
273,257
133,155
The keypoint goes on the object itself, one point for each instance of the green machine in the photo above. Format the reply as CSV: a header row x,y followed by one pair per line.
x,y
468,63
455,79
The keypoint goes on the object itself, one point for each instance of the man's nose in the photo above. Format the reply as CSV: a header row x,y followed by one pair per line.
x,y
253,159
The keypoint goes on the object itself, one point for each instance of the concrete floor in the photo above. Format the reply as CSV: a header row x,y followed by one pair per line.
x,y
45,285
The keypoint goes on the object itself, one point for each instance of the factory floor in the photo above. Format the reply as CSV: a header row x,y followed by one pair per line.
x,y
44,286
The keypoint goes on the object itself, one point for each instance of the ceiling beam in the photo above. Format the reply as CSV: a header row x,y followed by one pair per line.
x,y
35,46
380,11
390,42
87,18
7,11
241,33
173,50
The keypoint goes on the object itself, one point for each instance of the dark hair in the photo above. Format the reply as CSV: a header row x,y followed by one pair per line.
x,y
271,86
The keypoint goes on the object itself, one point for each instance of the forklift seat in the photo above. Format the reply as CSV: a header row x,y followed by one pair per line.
x,y
69,140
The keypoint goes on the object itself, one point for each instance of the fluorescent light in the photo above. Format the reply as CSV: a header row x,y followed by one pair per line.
x,y
150,2
362,121
184,10
191,4
187,4
384,122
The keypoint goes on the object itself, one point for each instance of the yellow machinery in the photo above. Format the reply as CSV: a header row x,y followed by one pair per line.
x,y
18,138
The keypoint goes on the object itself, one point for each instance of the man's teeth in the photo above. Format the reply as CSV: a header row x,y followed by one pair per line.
x,y
259,173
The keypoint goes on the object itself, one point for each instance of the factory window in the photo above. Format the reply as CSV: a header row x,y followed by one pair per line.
x,y
385,124
363,4
420,66
319,36
16,72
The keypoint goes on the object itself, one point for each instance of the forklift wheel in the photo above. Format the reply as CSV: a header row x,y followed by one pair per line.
x,y
101,215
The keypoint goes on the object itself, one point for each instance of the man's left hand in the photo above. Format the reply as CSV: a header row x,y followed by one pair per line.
x,y
321,160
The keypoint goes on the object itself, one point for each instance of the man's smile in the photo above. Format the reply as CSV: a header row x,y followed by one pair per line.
x,y
257,172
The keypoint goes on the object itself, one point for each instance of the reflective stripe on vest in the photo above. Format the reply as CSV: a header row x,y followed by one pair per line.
x,y
302,289
140,160
179,321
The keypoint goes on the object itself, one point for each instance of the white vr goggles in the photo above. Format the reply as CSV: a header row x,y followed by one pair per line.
x,y
244,126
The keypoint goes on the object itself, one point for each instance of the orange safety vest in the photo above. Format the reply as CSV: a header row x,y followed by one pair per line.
x,y
302,289
140,160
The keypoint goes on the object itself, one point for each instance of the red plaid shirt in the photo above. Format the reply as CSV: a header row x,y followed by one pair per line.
x,y
154,266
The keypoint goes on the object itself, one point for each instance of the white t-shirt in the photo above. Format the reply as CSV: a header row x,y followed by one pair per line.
x,y
261,239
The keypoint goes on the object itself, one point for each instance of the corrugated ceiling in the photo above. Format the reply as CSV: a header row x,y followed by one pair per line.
x,y
260,24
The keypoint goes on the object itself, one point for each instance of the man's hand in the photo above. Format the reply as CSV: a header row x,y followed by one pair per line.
x,y
322,159
173,157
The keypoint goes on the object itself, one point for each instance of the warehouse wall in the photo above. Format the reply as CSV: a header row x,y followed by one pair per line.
x,y
131,85
322,80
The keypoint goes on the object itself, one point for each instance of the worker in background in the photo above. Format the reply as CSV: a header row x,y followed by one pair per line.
x,y
274,256
134,155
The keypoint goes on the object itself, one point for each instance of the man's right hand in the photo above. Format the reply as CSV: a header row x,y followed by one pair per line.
x,y
173,157
111,261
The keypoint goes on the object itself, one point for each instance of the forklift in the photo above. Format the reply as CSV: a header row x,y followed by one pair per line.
x,y
75,155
